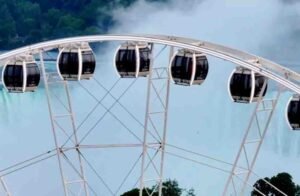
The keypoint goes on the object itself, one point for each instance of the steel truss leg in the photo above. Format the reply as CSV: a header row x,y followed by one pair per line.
x,y
246,157
67,183
157,77
4,186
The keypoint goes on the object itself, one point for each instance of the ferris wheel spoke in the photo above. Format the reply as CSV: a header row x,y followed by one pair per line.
x,y
128,174
64,132
27,160
98,103
160,51
130,113
195,161
96,173
77,172
26,165
227,163
146,168
108,110
4,186
88,115
60,101
159,92
203,155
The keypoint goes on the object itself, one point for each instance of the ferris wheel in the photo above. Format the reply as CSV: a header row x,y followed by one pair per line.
x,y
188,66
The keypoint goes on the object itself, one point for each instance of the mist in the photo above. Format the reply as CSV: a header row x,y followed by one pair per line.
x,y
213,124
201,118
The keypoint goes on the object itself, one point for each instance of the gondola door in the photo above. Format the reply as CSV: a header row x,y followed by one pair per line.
x,y
293,112
33,76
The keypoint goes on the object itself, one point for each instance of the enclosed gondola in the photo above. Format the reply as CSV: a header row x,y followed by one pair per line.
x,y
245,86
76,62
293,112
21,74
188,68
133,60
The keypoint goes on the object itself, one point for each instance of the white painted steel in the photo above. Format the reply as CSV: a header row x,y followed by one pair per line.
x,y
286,112
51,114
271,70
115,58
164,100
194,69
164,139
288,78
294,97
4,186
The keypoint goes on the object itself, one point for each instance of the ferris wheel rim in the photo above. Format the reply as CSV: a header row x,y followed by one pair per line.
x,y
286,77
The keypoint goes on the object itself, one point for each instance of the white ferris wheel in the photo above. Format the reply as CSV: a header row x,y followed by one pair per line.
x,y
24,69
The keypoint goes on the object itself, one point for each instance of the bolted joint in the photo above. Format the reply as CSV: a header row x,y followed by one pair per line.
x,y
60,150
77,147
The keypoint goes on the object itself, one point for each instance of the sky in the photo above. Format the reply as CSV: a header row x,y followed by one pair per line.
x,y
201,118
265,28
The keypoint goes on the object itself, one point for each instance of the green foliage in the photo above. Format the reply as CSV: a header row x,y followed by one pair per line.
x,y
8,26
27,21
136,192
282,181
170,188
191,192
127,3
298,190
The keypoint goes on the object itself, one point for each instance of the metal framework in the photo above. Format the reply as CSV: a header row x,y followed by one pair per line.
x,y
4,187
80,179
158,92
288,78
251,144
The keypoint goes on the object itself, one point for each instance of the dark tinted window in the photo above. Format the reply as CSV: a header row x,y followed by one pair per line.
x,y
33,75
13,76
69,63
182,68
201,68
259,83
294,114
126,60
88,62
240,85
145,59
